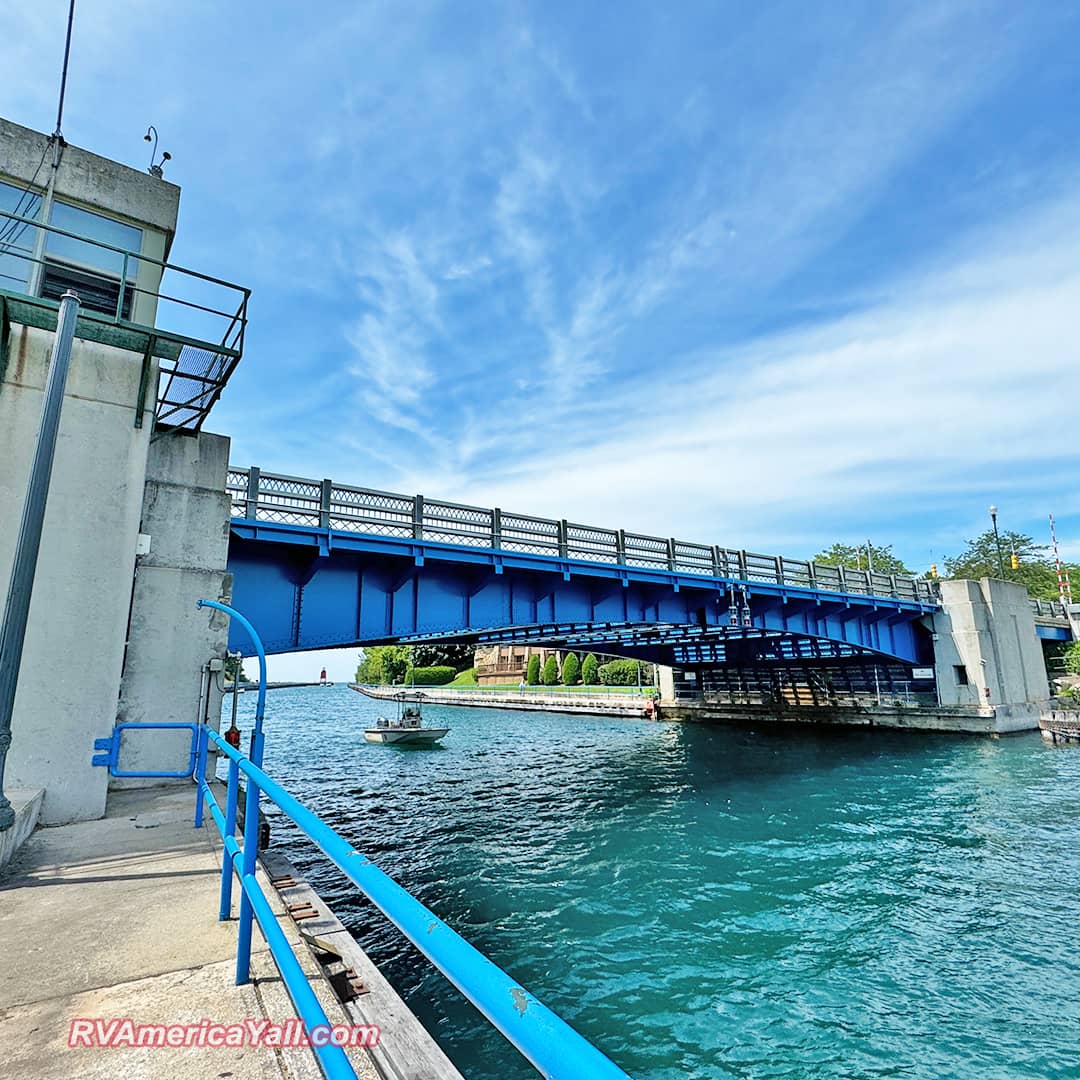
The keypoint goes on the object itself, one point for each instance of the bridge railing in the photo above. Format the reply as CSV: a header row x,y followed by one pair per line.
x,y
1048,609
292,500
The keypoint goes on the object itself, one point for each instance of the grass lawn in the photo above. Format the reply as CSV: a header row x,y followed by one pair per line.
x,y
465,678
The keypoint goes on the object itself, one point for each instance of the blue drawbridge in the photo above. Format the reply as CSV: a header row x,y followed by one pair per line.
x,y
322,565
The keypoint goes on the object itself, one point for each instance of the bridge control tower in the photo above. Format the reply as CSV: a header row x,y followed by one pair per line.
x,y
136,487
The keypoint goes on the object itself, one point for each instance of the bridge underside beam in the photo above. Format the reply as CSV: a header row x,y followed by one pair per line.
x,y
305,590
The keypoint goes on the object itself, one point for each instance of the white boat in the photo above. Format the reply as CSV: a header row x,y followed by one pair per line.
x,y
407,730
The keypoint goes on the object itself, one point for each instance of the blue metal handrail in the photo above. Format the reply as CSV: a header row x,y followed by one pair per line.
x,y
550,1045
111,747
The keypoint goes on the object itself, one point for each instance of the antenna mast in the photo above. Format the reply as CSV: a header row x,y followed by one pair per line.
x,y
56,141
64,72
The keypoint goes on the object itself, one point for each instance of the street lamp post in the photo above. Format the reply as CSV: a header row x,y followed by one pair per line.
x,y
24,562
997,543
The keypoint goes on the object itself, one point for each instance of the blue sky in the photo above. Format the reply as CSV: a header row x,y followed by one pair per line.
x,y
766,276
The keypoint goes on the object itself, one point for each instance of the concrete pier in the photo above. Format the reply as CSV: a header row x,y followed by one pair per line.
x,y
957,719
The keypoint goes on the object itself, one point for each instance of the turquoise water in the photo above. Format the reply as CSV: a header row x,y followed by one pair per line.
x,y
715,902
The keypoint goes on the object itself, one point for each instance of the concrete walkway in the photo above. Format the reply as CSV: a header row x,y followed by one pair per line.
x,y
118,918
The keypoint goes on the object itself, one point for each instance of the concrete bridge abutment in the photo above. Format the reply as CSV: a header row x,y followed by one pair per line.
x,y
107,623
185,528
986,651
988,665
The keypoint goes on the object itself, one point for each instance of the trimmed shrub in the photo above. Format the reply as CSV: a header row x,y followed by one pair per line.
x,y
621,673
570,670
439,675
589,671
550,676
532,672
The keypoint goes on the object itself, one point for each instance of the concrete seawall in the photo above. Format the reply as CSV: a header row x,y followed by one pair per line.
x,y
614,704
956,719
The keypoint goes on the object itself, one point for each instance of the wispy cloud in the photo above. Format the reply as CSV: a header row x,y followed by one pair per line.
x,y
400,315
759,276
962,386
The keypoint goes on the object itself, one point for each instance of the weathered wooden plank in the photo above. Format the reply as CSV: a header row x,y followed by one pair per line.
x,y
406,1051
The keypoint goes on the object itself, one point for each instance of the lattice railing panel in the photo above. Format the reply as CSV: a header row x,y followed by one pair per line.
x,y
451,523
534,536
693,558
592,544
649,552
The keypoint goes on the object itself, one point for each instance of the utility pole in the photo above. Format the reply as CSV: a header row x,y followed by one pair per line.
x,y
997,543
24,565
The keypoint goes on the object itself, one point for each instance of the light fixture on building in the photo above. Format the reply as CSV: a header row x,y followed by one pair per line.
x,y
158,168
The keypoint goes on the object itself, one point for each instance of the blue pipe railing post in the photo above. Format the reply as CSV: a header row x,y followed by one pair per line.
x,y
231,799
202,744
247,871
260,705
251,804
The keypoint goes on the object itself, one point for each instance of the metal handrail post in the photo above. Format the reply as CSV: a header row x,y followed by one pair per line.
x,y
24,565
251,802
231,799
202,744
256,753
123,287
247,871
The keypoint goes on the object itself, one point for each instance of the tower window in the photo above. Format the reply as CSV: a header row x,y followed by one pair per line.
x,y
93,272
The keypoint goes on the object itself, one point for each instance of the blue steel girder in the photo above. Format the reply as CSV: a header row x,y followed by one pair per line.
x,y
306,587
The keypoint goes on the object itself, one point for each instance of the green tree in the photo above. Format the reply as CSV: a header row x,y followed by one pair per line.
x,y
234,669
440,654
570,670
625,673
589,674
550,676
852,557
532,671
1072,658
383,664
1035,568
